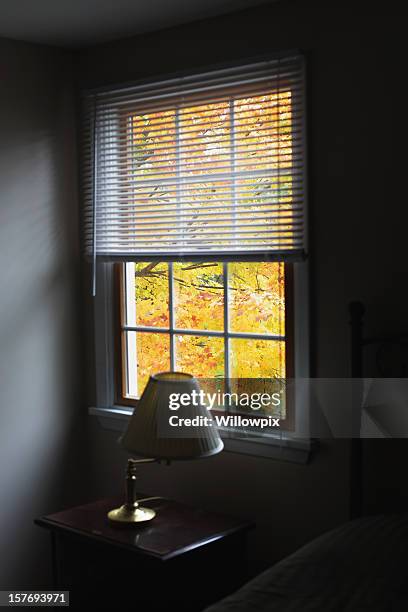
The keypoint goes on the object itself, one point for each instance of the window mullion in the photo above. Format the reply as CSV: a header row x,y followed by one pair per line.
x,y
204,332
233,167
171,316
225,265
178,173
226,323
171,279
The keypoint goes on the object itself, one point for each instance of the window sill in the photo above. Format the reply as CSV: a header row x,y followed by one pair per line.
x,y
283,448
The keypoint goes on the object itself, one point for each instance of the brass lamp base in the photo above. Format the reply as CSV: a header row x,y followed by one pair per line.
x,y
129,515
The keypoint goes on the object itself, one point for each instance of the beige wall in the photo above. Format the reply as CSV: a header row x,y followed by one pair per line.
x,y
357,134
290,503
41,422
352,183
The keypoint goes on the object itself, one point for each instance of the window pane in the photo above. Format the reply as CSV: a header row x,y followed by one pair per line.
x,y
205,139
206,205
257,358
152,145
147,294
199,296
152,156
267,208
147,353
201,356
263,131
257,297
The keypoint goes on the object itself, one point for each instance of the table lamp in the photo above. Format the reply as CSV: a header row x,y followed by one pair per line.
x,y
149,435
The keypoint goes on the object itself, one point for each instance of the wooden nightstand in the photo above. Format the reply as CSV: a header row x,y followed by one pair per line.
x,y
184,559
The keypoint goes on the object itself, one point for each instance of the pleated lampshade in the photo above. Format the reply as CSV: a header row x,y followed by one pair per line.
x,y
149,433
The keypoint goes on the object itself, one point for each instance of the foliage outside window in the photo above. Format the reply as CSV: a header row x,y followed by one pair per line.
x,y
209,318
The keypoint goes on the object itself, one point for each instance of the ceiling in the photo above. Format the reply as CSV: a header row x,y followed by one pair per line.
x,y
76,23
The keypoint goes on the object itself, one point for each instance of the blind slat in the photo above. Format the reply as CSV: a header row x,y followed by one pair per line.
x,y
202,218
120,146
275,114
198,166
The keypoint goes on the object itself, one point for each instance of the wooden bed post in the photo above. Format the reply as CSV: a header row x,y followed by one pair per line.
x,y
356,310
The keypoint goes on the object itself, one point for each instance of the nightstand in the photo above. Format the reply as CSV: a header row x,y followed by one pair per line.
x,y
184,559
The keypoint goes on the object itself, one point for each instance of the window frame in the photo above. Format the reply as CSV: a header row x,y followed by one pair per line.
x,y
294,446
120,357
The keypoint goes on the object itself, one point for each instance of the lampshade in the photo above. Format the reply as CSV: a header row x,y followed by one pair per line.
x,y
149,433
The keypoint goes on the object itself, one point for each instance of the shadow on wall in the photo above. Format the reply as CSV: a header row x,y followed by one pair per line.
x,y
41,433
285,500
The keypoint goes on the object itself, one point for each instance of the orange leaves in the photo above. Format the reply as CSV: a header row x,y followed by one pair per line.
x,y
257,298
199,296
152,294
256,294
195,320
257,358
149,321
202,356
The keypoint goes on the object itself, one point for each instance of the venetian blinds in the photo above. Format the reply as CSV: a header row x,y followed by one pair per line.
x,y
199,168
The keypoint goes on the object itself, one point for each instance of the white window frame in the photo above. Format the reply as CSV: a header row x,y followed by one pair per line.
x,y
290,446
172,330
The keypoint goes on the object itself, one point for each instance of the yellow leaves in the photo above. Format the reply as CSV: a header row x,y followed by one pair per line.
x,y
199,296
200,355
257,298
152,355
256,305
201,135
257,358
152,294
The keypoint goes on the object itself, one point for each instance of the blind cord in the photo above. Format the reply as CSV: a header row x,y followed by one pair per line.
x,y
94,198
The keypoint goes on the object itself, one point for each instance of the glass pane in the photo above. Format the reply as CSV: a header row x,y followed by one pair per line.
x,y
201,356
257,358
199,296
152,156
203,203
147,353
152,145
266,205
205,139
147,291
257,297
263,131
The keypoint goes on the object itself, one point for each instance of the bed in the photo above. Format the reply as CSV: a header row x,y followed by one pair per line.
x,y
360,565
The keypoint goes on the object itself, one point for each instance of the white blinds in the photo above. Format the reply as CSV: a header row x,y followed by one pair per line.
x,y
202,167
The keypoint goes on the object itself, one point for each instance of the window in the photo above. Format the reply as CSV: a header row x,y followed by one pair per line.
x,y
212,319
195,189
